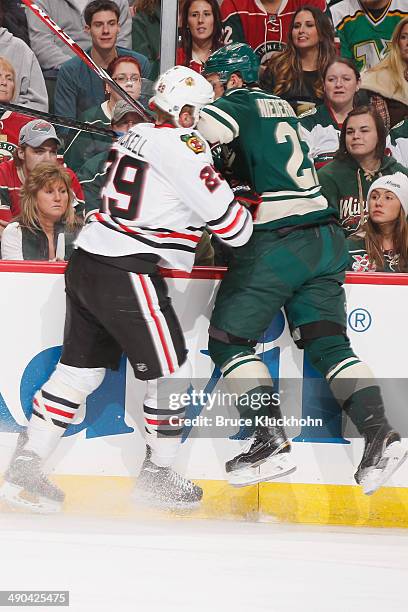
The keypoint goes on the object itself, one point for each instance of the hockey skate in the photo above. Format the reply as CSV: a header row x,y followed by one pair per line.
x,y
383,455
265,457
164,488
25,485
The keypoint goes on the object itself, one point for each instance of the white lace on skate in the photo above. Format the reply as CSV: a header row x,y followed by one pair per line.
x,y
274,467
376,476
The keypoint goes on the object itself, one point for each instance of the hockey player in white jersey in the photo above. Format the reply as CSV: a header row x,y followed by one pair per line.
x,y
161,189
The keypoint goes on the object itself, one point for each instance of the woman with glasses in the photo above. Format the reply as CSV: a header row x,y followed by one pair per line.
x,y
126,72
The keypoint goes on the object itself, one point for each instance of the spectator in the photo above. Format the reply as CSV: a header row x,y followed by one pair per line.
x,y
262,24
51,51
47,224
146,33
322,125
201,33
359,161
296,74
125,70
13,18
365,27
10,122
29,82
386,83
38,143
78,87
384,245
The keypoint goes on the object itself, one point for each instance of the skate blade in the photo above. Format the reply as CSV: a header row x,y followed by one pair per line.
x,y
274,467
393,458
11,495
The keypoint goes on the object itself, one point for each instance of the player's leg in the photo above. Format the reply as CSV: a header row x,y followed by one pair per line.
x,y
317,317
256,286
154,344
87,350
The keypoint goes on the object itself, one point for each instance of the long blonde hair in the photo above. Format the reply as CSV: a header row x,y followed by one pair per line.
x,y
6,65
393,63
42,175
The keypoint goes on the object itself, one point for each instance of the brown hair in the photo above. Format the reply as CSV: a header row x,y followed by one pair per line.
x,y
97,6
342,152
42,175
286,66
185,34
373,242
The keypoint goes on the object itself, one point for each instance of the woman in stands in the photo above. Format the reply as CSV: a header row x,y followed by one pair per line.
x,y
200,33
321,126
296,74
386,84
384,244
359,161
47,224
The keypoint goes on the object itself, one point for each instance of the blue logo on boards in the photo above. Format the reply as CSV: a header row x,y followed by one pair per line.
x,y
359,320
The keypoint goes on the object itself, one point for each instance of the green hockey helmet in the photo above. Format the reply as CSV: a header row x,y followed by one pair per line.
x,y
237,57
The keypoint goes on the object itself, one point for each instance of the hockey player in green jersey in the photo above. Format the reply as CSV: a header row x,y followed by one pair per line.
x,y
365,27
295,259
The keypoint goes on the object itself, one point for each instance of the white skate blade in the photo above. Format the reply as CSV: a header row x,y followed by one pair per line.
x,y
392,459
275,467
11,494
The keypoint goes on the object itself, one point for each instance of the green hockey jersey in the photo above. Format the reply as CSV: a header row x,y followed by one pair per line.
x,y
322,133
365,33
271,156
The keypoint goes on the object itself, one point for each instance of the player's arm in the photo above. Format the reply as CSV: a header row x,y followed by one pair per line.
x,y
217,124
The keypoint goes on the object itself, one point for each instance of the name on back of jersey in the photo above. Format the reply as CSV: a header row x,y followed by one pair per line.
x,y
133,142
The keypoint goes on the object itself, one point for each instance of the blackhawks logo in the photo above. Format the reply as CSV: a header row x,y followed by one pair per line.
x,y
194,142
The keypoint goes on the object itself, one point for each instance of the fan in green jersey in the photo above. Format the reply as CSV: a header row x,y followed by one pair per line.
x,y
295,259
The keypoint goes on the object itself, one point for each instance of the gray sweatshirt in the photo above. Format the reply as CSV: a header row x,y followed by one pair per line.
x,y
30,85
50,50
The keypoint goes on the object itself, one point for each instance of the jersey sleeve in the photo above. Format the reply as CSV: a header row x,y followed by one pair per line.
x,y
233,30
203,190
218,123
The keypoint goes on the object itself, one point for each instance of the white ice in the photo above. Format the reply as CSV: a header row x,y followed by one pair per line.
x,y
216,566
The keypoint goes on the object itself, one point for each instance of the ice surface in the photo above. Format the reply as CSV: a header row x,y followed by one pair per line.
x,y
217,566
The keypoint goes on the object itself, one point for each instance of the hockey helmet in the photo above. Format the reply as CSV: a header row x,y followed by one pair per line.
x,y
179,86
237,57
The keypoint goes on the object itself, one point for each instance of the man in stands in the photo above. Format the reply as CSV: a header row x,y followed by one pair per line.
x,y
152,215
37,143
78,87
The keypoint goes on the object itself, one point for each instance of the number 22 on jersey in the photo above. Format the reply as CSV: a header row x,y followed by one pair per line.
x,y
123,190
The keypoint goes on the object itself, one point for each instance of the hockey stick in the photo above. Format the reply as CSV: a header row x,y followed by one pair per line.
x,y
102,74
56,119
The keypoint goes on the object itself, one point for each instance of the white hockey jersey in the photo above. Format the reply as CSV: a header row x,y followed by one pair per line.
x,y
161,189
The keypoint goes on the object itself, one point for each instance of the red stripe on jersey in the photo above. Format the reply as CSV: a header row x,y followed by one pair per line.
x,y
231,225
172,235
177,235
171,367
68,415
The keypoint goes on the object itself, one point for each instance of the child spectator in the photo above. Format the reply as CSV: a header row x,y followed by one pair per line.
x,y
30,90
78,87
359,161
10,122
384,244
296,74
365,27
201,33
321,126
262,24
47,225
38,143
386,83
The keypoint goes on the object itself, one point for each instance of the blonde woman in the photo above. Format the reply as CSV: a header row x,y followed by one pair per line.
x,y
386,84
384,245
47,225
